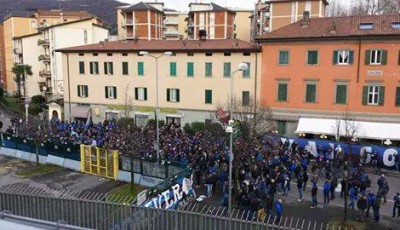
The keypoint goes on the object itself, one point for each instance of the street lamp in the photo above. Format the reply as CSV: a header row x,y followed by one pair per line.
x,y
145,53
241,67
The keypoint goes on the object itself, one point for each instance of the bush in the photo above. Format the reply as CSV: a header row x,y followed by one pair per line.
x,y
38,99
194,127
34,109
125,121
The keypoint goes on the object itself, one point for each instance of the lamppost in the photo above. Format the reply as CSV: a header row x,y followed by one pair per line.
x,y
145,53
241,67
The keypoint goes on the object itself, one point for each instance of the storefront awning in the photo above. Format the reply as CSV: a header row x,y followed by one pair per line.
x,y
80,112
357,129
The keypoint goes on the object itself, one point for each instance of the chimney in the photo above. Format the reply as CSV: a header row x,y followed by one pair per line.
x,y
333,27
306,19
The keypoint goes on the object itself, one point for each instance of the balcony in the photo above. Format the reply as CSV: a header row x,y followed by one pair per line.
x,y
171,33
171,22
44,87
43,42
17,51
44,73
44,58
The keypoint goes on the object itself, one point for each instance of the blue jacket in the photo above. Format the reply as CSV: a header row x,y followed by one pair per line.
x,y
352,193
327,187
278,208
371,198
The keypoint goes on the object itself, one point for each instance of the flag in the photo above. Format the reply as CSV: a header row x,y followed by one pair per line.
x,y
222,116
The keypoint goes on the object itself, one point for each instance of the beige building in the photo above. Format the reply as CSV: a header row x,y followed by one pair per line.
x,y
18,24
174,25
271,15
102,78
242,24
37,50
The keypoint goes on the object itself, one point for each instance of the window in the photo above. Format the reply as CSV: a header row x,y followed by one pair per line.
x,y
208,96
281,127
140,69
373,95
209,54
245,98
227,54
341,94
312,57
283,57
81,54
246,54
397,96
141,94
125,54
246,73
227,69
173,95
308,6
81,67
125,68
366,26
208,69
141,120
172,69
108,68
282,91
94,67
109,54
311,90
83,91
396,25
95,54
375,57
190,69
111,92
343,57
190,54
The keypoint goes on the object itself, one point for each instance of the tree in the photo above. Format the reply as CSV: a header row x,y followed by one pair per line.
x,y
21,71
336,9
375,7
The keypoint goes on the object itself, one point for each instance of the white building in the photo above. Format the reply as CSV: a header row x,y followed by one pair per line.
x,y
38,51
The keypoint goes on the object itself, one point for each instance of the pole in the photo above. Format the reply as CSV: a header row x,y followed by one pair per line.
x,y
346,191
231,150
157,108
26,98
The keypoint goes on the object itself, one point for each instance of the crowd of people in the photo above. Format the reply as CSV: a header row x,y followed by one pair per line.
x,y
268,170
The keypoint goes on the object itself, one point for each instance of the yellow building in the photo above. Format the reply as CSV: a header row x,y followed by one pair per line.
x,y
103,78
17,24
243,24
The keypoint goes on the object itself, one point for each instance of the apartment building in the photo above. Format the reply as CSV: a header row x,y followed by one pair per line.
x,y
141,21
37,50
317,70
271,15
210,21
193,80
18,24
174,24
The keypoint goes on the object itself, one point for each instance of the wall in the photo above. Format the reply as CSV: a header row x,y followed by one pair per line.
x,y
30,57
243,25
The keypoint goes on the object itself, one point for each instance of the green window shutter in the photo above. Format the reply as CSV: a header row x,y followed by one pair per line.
x,y
335,57
246,73
208,98
105,68
381,95
351,57
365,95
125,68
91,67
397,96
87,90
208,69
136,93
172,69
368,57
79,91
283,57
111,68
310,93
313,57
227,69
145,94
190,69
384,57
115,92
282,92
140,68
106,91
341,94
281,127
96,67
82,67
168,95
178,97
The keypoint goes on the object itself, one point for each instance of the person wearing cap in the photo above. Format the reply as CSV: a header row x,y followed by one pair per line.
x,y
314,191
396,205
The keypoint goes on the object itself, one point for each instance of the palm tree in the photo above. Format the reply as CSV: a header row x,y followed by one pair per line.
x,y
21,71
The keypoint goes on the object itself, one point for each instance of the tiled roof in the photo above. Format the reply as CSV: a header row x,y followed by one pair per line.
x,y
212,7
65,13
346,27
222,45
141,6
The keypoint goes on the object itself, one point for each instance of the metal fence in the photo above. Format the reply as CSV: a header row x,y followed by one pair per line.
x,y
94,211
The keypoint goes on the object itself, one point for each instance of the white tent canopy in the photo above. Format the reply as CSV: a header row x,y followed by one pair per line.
x,y
357,129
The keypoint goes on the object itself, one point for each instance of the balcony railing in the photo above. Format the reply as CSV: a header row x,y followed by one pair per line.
x,y
43,42
44,57
44,73
171,22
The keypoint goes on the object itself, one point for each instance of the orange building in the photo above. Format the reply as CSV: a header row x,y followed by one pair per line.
x,y
330,68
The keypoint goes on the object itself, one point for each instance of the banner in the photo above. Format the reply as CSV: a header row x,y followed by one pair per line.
x,y
312,145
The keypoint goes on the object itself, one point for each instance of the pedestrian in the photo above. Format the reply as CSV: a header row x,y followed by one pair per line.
x,y
209,185
396,205
371,198
300,188
305,179
343,187
314,191
362,204
353,196
383,187
375,207
278,211
327,190
333,187
396,160
269,205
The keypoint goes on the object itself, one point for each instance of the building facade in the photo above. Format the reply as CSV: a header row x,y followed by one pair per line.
x,y
332,67
37,50
174,25
210,21
103,79
271,15
18,24
141,21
